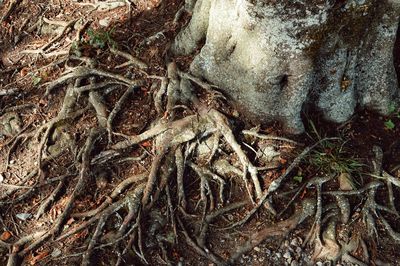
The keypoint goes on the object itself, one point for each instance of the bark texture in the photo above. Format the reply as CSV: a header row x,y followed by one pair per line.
x,y
274,56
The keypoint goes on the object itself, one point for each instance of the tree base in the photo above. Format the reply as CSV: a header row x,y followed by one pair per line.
x,y
272,59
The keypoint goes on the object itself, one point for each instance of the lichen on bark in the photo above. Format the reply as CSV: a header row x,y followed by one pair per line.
x,y
274,57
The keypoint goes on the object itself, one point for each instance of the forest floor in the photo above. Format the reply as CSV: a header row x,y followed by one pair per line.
x,y
111,153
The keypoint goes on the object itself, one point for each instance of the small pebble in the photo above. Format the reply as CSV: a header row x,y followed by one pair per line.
x,y
287,255
257,249
319,263
294,263
278,255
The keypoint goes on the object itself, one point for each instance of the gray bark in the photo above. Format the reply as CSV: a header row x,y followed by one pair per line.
x,y
274,56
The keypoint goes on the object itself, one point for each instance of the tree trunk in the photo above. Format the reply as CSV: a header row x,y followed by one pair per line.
x,y
274,56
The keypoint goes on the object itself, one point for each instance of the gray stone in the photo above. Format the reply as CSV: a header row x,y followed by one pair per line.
x,y
287,255
294,242
273,57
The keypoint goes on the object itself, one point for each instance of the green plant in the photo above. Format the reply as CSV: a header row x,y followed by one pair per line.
x,y
394,111
36,80
100,38
389,124
298,178
392,108
332,156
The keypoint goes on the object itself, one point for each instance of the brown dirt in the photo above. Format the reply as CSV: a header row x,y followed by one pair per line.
x,y
18,70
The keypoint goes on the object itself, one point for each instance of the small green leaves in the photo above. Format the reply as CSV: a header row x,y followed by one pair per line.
x,y
298,178
389,124
36,80
392,108
100,38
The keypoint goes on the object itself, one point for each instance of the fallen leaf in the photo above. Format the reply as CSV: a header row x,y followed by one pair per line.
x,y
283,161
70,221
303,194
24,71
146,143
5,236
41,255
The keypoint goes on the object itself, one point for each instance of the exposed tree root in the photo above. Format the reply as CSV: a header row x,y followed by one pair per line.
x,y
281,229
67,27
201,146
